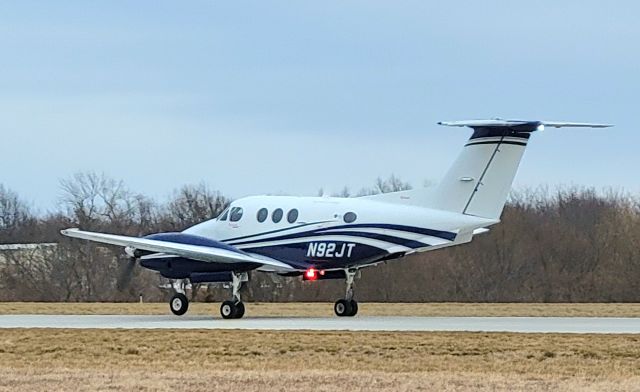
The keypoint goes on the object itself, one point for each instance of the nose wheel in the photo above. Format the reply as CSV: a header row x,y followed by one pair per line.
x,y
179,304
234,309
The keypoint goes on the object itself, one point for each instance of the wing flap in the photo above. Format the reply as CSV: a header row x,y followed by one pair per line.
x,y
195,252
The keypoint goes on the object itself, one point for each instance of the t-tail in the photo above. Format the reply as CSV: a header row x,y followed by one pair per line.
x,y
479,181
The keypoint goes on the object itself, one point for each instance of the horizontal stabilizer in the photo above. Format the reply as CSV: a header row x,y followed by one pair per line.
x,y
520,125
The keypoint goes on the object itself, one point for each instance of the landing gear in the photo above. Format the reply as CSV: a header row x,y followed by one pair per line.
x,y
234,309
347,307
354,307
231,309
179,304
344,308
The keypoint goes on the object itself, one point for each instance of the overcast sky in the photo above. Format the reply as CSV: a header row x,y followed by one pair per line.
x,y
257,97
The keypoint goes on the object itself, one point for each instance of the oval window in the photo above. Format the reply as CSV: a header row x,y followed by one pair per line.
x,y
235,214
292,216
277,215
350,217
262,215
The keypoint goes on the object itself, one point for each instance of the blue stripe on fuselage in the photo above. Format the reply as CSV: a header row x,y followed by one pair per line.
x,y
382,237
296,254
392,239
446,235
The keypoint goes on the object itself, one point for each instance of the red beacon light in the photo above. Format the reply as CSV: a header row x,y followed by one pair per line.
x,y
312,274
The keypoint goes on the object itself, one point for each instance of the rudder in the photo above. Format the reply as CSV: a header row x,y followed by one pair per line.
x,y
480,179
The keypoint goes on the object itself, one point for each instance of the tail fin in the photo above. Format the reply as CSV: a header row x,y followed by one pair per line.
x,y
479,181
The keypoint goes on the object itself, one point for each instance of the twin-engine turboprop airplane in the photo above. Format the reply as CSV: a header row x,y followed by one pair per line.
x,y
332,238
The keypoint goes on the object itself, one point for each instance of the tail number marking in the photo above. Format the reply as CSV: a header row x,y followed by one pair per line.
x,y
330,249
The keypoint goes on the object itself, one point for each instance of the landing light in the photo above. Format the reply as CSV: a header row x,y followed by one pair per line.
x,y
312,274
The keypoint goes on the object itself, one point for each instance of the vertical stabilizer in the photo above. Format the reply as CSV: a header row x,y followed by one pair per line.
x,y
480,179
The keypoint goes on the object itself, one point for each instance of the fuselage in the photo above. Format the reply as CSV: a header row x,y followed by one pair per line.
x,y
334,233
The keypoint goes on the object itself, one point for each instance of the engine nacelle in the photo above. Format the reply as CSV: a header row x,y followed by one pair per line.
x,y
210,277
135,253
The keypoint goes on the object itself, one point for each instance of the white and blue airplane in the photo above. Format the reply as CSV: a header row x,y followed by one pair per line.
x,y
320,238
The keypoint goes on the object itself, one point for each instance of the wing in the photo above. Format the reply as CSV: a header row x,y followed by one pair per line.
x,y
195,252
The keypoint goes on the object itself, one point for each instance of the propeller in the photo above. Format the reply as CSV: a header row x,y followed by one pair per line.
x,y
126,273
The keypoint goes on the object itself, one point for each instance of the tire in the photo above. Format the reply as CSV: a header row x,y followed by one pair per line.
x,y
228,310
239,310
342,308
179,304
354,308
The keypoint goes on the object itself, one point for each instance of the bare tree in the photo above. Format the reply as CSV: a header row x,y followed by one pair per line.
x,y
15,216
343,193
567,244
193,204
386,185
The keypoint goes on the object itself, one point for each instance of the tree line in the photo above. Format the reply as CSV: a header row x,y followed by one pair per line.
x,y
564,245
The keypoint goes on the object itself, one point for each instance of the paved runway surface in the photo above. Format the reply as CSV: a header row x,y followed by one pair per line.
x,y
482,324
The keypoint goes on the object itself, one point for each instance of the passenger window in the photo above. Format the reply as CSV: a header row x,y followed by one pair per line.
x,y
277,215
236,214
224,215
350,217
292,216
262,215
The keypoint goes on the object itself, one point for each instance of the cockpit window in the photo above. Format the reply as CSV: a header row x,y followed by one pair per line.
x,y
224,215
236,214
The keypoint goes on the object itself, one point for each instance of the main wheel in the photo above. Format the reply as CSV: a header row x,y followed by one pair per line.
x,y
354,308
228,310
342,307
179,304
239,310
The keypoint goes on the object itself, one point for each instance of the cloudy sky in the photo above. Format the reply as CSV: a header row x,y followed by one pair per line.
x,y
287,97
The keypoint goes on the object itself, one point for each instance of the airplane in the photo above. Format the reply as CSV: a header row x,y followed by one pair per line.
x,y
320,238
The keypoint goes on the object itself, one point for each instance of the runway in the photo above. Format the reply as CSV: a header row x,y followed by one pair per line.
x,y
599,325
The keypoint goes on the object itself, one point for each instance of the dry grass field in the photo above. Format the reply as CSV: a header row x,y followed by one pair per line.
x,y
210,360
326,309
214,360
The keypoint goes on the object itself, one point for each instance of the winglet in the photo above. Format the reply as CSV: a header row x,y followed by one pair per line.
x,y
67,232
